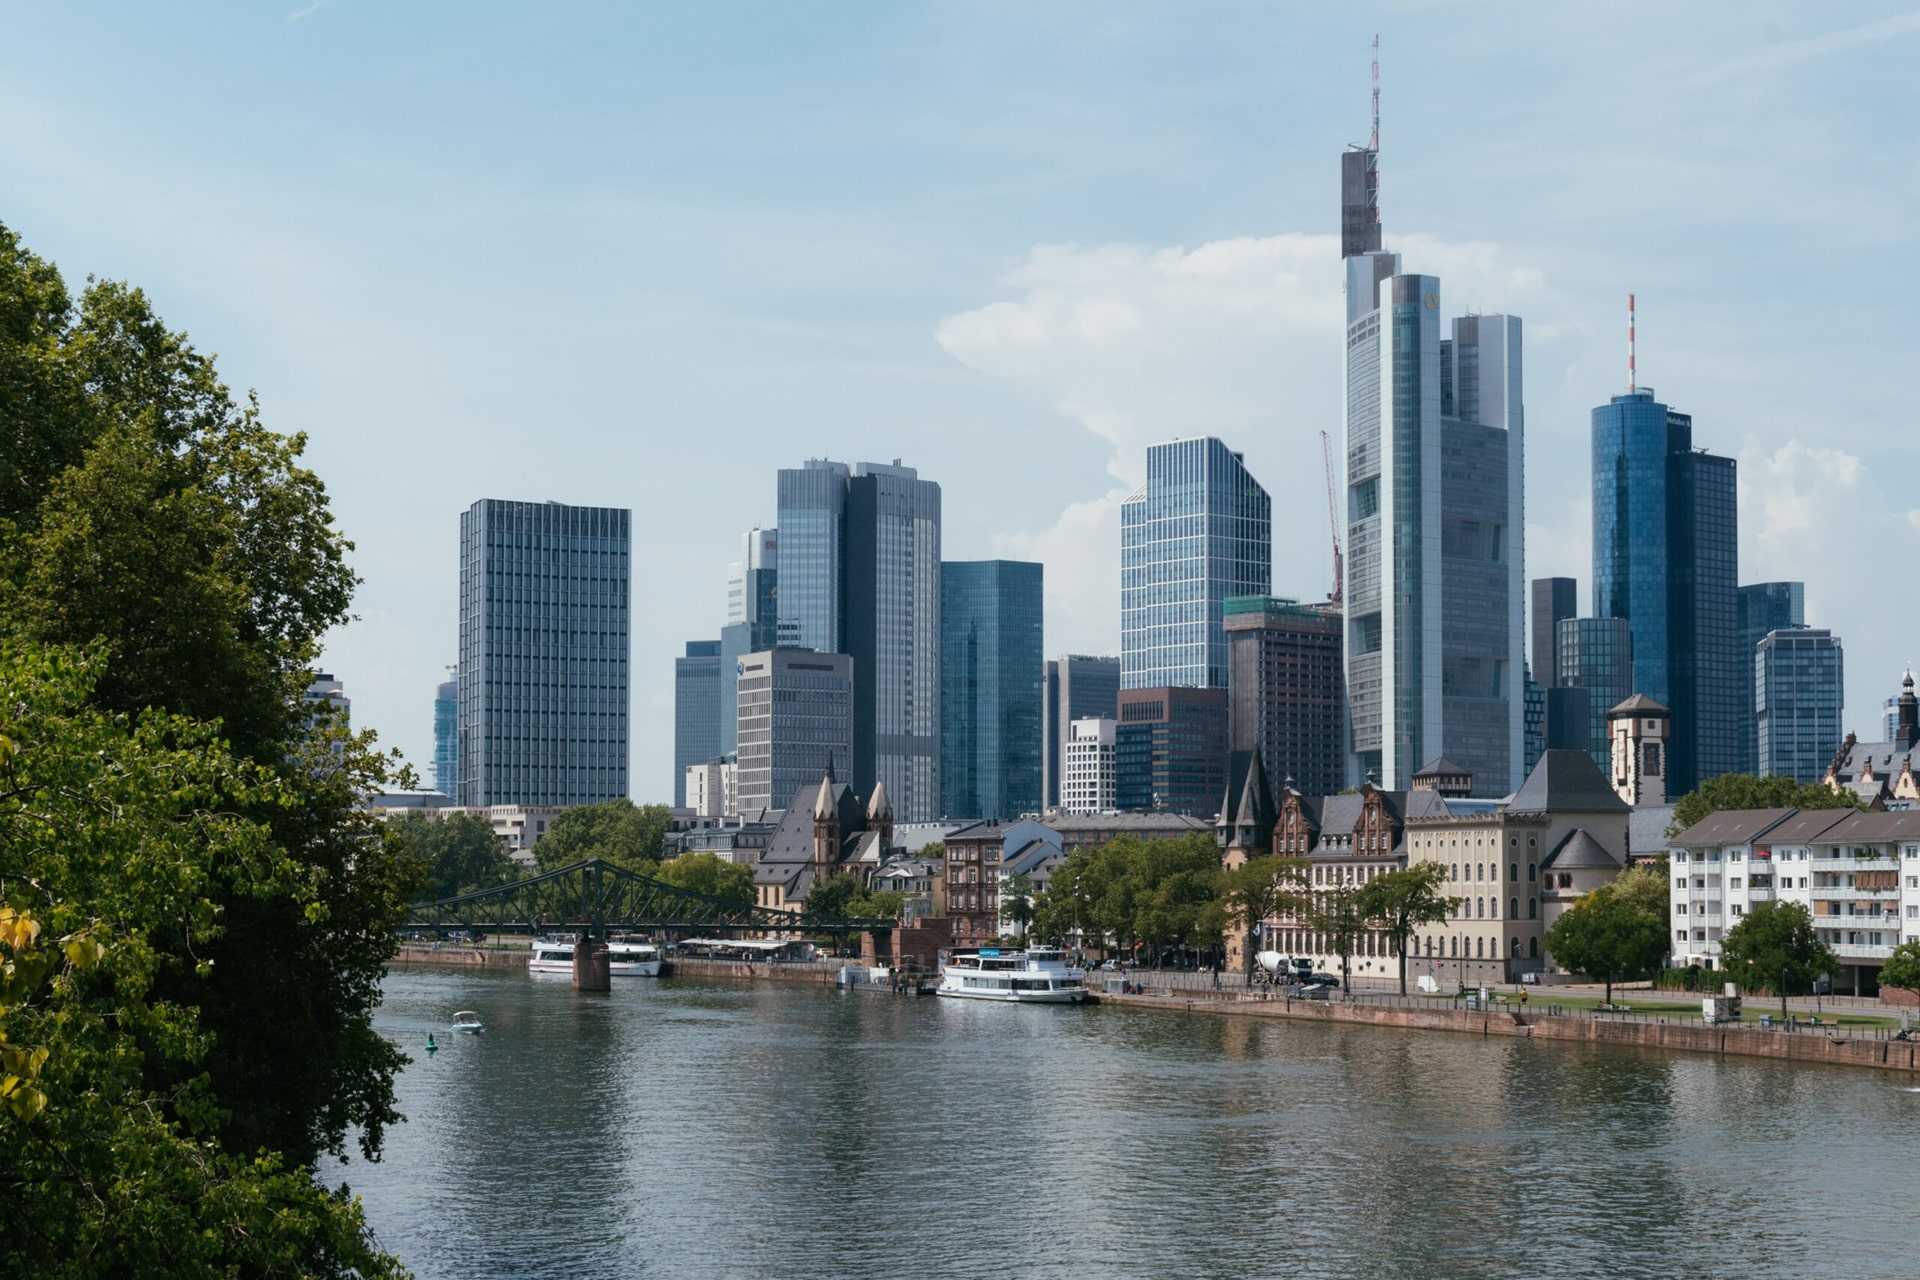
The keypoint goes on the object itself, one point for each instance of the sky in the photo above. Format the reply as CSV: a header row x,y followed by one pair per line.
x,y
645,255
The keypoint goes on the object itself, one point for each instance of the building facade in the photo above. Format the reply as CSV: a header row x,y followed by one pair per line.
x,y
712,790
796,723
1596,658
1087,782
753,623
1799,700
1170,750
812,504
1078,687
1197,532
1286,688
1666,558
697,715
446,738
1551,600
1760,609
544,608
991,688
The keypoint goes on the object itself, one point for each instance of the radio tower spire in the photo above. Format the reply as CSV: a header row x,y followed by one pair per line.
x,y
1373,143
1632,374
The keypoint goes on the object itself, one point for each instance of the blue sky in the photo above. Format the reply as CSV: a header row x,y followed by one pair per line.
x,y
644,255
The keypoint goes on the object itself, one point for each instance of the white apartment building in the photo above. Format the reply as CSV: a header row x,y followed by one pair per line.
x,y
1087,776
713,788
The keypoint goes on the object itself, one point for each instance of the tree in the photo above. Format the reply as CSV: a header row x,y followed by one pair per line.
x,y
1902,969
618,831
1776,941
1398,902
1610,934
458,852
1016,901
833,895
1745,791
1259,888
1337,914
710,874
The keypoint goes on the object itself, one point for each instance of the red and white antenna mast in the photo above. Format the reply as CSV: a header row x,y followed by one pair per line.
x,y
1373,143
1632,376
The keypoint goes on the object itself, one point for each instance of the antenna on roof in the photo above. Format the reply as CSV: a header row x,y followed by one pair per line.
x,y
1632,382
1373,143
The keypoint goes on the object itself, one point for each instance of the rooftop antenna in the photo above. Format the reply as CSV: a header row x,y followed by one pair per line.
x,y
1373,143
1632,384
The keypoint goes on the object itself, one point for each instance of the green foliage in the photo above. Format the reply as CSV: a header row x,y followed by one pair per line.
x,y
1902,969
1016,900
1398,902
709,874
617,831
1135,893
1776,941
456,853
1612,934
1745,791
1259,888
842,894
1339,915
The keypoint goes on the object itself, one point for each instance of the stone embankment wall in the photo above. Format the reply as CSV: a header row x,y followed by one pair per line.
x,y
1805,1045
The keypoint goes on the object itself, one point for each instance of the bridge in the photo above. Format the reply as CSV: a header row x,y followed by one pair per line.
x,y
598,898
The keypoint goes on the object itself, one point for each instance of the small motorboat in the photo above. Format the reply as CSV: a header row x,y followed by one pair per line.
x,y
467,1020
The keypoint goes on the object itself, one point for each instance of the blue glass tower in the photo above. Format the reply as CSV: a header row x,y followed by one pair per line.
x,y
1200,530
991,669
1666,558
697,716
1799,675
1596,657
1764,607
446,738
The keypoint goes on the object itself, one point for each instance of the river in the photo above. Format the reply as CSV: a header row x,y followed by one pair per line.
x,y
688,1128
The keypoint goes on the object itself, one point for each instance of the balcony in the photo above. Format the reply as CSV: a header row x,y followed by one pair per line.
x,y
1885,862
1825,894
1762,893
1861,951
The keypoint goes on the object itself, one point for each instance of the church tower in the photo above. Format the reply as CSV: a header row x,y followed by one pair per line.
x,y
1639,729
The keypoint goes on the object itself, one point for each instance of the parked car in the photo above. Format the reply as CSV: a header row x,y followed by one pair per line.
x,y
1315,992
1321,980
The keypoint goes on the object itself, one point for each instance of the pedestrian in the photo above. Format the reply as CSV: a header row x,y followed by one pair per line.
x,y
1523,997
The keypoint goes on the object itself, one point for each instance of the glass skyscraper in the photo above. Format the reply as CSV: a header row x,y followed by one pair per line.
x,y
1596,657
1799,676
796,724
697,715
1287,693
753,623
1666,558
446,738
543,653
1763,608
1079,687
990,688
812,517
1200,530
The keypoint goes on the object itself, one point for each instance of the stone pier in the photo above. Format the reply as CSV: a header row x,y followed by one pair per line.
x,y
592,971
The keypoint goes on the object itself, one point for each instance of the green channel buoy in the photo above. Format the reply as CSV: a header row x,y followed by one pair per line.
x,y
431,1046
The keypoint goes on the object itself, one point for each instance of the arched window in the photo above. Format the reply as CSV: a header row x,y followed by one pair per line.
x,y
1479,948
1532,908
1513,908
1456,947
1516,948
1533,948
1479,908
1513,872
1531,867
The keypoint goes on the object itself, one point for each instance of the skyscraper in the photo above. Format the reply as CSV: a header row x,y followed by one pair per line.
x,y
753,623
543,653
697,685
1666,558
796,724
1087,766
1553,600
812,516
1436,658
1286,690
1596,658
991,671
1170,750
1762,608
1079,687
1799,680
1198,531
446,738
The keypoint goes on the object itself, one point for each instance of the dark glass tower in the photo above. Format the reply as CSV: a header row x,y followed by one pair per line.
x,y
990,688
1287,690
1079,687
1596,658
696,711
1666,558
446,739
1764,607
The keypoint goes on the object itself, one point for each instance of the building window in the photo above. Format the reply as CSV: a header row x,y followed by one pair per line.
x,y
1480,908
1533,948
1533,908
1513,908
1530,870
1516,949
1513,872
1479,948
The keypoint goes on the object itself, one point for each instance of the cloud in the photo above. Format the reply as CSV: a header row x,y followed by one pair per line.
x,y
308,10
1788,53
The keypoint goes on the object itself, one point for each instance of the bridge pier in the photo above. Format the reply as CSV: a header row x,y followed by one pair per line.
x,y
591,968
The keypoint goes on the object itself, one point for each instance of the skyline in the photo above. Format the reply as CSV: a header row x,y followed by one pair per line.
x,y
1073,233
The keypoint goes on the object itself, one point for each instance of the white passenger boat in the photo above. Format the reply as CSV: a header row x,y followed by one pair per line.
x,y
1023,977
625,958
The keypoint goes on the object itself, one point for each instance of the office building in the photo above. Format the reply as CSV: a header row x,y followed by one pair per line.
x,y
1666,558
1596,658
1198,531
1078,686
712,790
1762,608
697,715
1798,702
1170,750
446,738
544,604
327,695
1087,776
991,673
796,724
752,625
1285,689
1435,599
812,518
1553,601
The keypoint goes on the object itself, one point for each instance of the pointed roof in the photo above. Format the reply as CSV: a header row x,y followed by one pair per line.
x,y
1256,807
1439,766
1567,781
879,808
1640,705
824,809
1580,851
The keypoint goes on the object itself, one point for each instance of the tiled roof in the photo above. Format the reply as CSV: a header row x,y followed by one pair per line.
x,y
1566,781
1731,826
1580,851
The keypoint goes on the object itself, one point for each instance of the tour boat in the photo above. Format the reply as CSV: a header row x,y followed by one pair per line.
x,y
625,958
1022,977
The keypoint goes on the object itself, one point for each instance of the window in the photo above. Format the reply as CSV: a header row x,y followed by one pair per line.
x,y
1530,870
1738,909
1513,908
1479,948
1516,948
1679,882
1532,908
1679,908
1480,908
1733,882
1513,872
1533,948
1679,935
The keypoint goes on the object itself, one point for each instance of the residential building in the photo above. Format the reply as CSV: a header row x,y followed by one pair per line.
x,y
1762,608
543,653
1596,657
991,675
796,723
975,854
328,696
446,738
1435,597
1799,693
1666,558
1286,688
712,790
1078,686
1087,784
733,837
1553,600
1882,773
1199,531
752,625
1086,830
696,712
1170,750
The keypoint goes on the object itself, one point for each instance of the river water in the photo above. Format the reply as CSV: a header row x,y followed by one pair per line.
x,y
691,1128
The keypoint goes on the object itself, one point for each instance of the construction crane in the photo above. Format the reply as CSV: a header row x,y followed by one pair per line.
x,y
1333,521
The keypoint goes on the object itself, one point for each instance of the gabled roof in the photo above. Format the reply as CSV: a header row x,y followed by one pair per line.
x,y
1580,851
1731,826
1874,825
1884,758
1639,705
1566,781
1806,826
1439,766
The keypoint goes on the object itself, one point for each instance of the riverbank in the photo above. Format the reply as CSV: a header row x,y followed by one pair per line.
x,y
455,956
1806,1044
